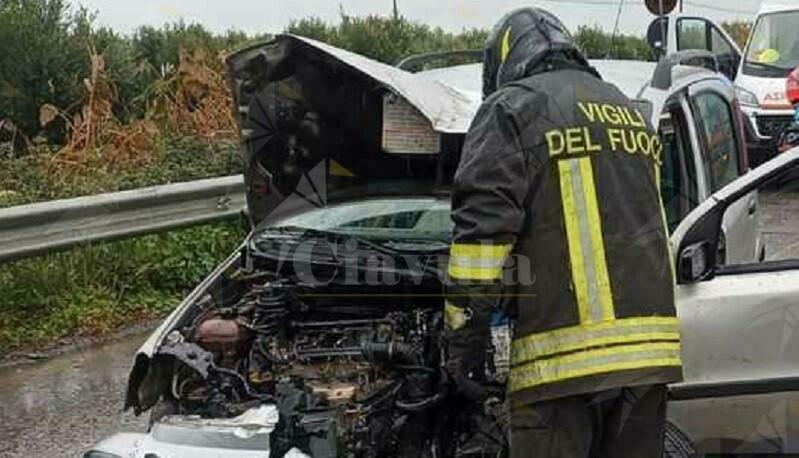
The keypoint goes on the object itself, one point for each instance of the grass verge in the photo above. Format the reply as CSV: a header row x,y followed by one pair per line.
x,y
94,290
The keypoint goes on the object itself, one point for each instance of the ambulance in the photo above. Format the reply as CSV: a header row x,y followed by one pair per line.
x,y
770,56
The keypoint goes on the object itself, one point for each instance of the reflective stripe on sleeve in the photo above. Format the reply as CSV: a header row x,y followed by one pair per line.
x,y
583,337
594,362
477,262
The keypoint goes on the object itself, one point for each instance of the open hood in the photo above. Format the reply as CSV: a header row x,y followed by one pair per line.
x,y
319,121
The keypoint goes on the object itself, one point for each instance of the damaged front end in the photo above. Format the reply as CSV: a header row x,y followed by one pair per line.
x,y
323,332
349,363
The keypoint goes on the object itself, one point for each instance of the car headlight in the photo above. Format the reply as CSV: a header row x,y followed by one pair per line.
x,y
96,454
746,98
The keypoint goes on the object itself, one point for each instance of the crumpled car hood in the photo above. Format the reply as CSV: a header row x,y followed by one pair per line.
x,y
300,102
449,109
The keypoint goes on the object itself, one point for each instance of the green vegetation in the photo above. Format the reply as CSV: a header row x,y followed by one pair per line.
x,y
45,57
33,178
598,44
386,39
95,289
45,44
739,31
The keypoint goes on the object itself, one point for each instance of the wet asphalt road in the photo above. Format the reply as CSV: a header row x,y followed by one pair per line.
x,y
60,407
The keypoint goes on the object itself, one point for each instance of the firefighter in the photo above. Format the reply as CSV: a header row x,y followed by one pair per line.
x,y
559,175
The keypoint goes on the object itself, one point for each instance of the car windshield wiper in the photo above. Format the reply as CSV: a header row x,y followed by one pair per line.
x,y
299,231
419,246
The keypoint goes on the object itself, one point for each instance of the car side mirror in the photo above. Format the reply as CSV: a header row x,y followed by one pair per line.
x,y
695,263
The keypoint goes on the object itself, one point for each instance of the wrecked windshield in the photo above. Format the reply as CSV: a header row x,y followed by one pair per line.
x,y
774,46
406,218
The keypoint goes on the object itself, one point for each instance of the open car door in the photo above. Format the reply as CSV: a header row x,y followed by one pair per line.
x,y
694,32
739,322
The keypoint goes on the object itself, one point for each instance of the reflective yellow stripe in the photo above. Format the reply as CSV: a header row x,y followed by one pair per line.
x,y
597,242
474,250
564,340
454,317
594,362
573,235
520,382
477,261
475,273
505,45
657,176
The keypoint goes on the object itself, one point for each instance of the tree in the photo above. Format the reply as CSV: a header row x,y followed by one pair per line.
x,y
739,31
43,58
386,39
598,44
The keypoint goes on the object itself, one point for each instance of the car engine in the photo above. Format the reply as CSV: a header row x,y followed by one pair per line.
x,y
354,372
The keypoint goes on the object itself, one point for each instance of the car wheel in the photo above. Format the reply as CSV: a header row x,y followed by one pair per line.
x,y
677,444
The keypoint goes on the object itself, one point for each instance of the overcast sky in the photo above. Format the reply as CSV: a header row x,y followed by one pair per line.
x,y
258,16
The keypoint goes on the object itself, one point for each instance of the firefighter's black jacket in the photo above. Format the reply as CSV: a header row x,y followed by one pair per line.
x,y
558,218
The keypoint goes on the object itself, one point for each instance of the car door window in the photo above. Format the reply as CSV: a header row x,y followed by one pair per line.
x,y
678,184
692,34
775,209
726,55
719,44
720,146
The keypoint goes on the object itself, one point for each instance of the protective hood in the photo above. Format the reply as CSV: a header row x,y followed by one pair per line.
x,y
525,42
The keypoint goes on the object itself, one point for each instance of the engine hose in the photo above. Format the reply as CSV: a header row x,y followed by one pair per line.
x,y
390,352
247,389
423,405
410,368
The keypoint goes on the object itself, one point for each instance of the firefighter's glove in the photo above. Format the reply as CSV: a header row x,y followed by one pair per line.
x,y
466,340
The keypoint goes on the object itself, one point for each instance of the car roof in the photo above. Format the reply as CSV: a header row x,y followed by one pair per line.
x,y
632,77
778,6
629,76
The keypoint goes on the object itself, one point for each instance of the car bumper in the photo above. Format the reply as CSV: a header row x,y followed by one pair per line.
x,y
762,130
246,436
763,126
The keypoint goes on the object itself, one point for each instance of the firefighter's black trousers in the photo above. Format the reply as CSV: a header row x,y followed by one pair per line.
x,y
626,422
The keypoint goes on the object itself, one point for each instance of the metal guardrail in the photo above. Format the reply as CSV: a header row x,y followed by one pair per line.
x,y
30,230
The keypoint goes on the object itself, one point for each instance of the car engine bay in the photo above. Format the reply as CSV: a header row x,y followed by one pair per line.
x,y
353,370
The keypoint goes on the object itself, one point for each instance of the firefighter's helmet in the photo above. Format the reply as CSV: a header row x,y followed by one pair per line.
x,y
520,42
